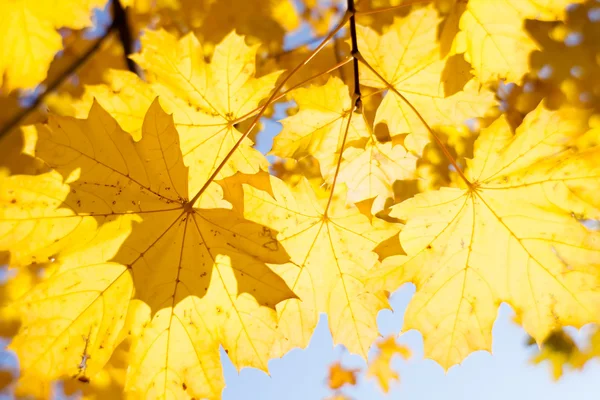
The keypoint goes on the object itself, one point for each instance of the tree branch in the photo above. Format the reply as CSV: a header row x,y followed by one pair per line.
x,y
355,53
121,24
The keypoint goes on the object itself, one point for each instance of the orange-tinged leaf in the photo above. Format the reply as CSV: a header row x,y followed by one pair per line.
x,y
380,367
338,396
6,378
121,219
513,236
340,376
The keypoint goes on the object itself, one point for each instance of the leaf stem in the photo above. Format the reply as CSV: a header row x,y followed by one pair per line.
x,y
271,98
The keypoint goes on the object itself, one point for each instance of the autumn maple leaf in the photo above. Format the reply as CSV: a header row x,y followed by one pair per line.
x,y
380,366
512,235
331,249
114,220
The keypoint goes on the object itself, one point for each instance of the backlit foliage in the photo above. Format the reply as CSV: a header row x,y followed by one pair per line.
x,y
451,144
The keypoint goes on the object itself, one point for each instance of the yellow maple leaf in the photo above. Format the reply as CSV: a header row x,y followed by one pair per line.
x,y
114,216
206,99
407,56
512,235
331,253
28,37
380,367
492,34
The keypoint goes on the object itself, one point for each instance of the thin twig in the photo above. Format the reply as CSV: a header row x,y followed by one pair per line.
x,y
17,119
121,24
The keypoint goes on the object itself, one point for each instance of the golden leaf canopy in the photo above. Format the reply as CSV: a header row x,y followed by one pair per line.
x,y
187,181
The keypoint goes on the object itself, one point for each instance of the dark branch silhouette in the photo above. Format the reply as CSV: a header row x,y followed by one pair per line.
x,y
355,53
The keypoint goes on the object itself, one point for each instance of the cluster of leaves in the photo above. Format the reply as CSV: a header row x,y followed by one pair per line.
x,y
143,231
379,368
